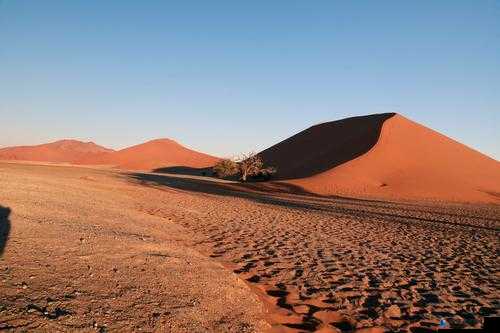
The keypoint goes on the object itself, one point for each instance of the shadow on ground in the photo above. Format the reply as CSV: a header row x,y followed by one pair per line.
x,y
185,170
292,196
4,227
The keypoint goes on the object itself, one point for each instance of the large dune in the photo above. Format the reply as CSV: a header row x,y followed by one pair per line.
x,y
62,151
386,156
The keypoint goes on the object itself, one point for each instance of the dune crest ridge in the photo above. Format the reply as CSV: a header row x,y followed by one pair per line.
x,y
324,146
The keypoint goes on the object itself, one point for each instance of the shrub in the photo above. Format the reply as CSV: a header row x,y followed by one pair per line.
x,y
226,168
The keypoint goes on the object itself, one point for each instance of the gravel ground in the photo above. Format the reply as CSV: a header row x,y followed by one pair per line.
x,y
81,256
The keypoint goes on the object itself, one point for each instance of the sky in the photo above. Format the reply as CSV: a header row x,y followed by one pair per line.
x,y
226,77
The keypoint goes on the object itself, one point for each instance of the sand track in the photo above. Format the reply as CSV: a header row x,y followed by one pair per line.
x,y
345,263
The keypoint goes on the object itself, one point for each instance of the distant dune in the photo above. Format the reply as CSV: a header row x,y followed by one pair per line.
x,y
387,156
155,154
63,151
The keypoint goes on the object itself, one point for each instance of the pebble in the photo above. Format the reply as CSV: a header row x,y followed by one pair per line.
x,y
393,312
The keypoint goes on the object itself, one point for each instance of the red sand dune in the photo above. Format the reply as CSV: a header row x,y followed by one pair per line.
x,y
63,151
157,154
152,155
387,156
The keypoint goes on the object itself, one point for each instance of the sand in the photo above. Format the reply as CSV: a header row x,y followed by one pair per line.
x,y
117,251
340,264
159,154
84,254
380,156
154,155
323,147
70,151
374,224
385,156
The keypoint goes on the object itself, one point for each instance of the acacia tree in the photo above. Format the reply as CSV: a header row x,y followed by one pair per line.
x,y
247,165
250,165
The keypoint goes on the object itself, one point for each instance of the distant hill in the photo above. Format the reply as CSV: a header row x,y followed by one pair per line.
x,y
157,154
384,155
149,156
68,151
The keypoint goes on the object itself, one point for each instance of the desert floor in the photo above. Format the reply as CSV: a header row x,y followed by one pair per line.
x,y
101,250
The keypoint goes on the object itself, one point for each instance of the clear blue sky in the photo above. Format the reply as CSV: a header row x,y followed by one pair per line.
x,y
230,76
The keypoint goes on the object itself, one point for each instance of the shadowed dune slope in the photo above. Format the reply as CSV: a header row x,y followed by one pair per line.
x,y
156,154
324,146
406,161
67,151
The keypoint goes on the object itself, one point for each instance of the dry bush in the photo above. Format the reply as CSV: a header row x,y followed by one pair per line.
x,y
268,172
226,168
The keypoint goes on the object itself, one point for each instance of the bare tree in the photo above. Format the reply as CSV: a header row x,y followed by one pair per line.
x,y
250,165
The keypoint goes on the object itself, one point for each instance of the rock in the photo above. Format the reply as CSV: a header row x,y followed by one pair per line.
x,y
328,316
393,312
328,329
302,309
